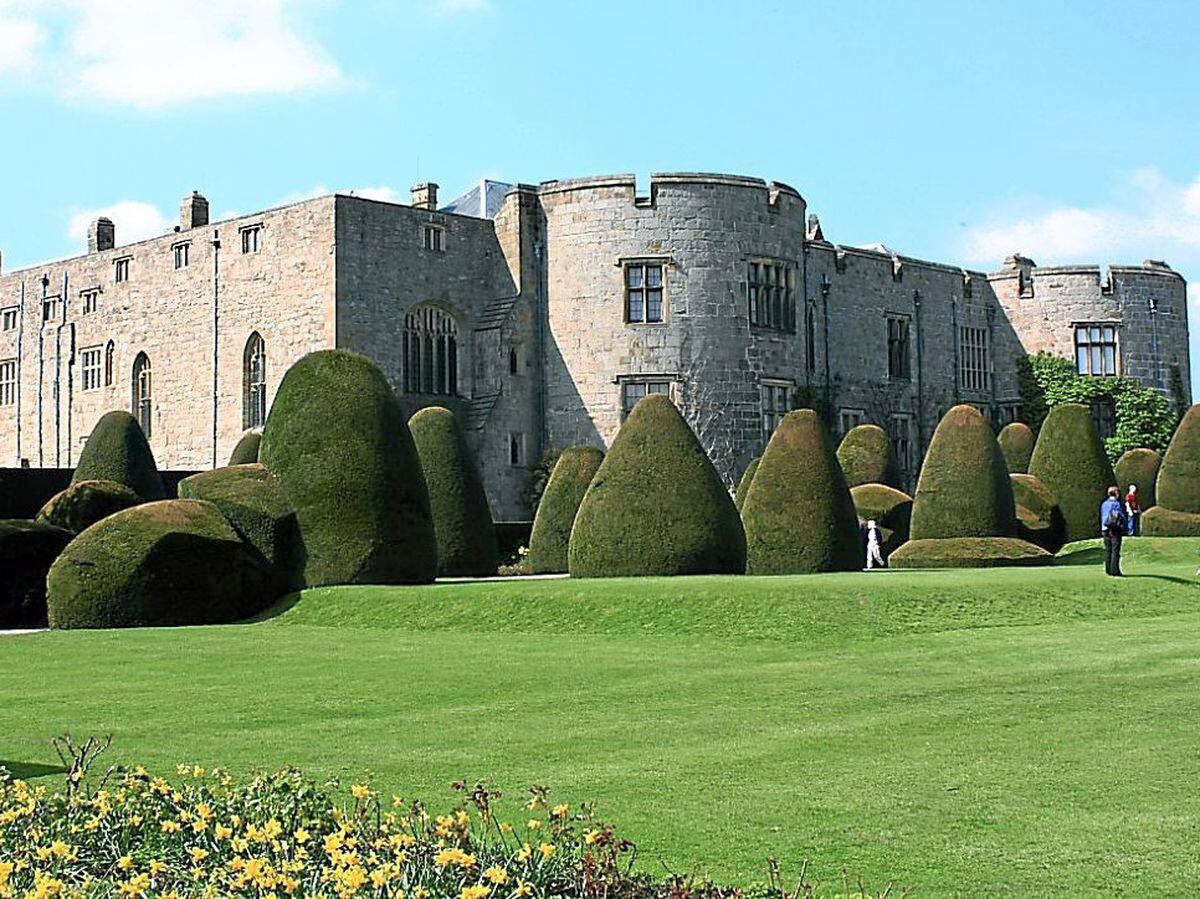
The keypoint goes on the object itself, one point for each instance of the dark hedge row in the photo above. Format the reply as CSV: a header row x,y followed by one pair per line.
x,y
27,550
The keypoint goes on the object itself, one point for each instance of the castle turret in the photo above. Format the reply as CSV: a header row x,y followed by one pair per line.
x,y
424,196
102,235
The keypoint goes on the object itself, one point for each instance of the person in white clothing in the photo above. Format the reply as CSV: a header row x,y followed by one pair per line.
x,y
874,555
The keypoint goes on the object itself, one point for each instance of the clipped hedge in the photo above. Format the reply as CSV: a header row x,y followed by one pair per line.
x,y
84,503
890,508
27,550
1016,443
117,451
551,537
1069,459
1139,467
338,441
246,451
799,515
743,487
466,537
1178,485
656,505
1160,521
1039,519
867,457
969,552
171,562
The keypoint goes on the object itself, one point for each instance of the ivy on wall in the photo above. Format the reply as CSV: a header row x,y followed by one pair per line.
x,y
1144,417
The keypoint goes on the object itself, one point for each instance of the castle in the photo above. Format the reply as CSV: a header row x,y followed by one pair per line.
x,y
541,314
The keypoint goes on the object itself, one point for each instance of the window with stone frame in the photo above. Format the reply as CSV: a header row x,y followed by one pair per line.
x,y
850,418
1096,349
810,342
771,294
121,269
898,354
634,390
429,352
181,253
8,382
109,353
900,432
251,239
433,237
775,401
254,382
92,366
974,359
1104,414
516,449
143,394
91,300
9,318
644,292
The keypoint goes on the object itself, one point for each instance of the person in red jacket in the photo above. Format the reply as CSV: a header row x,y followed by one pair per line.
x,y
1132,511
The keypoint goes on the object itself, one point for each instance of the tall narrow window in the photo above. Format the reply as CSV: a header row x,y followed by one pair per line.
x,y
251,238
121,270
899,368
430,352
8,318
513,367
850,418
810,347
108,364
516,449
644,292
1096,349
974,359
775,404
182,254
770,295
434,237
254,382
50,309
143,393
92,361
8,382
91,301
901,434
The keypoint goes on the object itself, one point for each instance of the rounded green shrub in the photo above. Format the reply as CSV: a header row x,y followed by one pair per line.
x,y
1016,443
656,505
1178,486
1139,467
799,515
1160,521
27,550
1039,519
551,537
246,451
866,457
462,520
252,500
1069,459
84,503
743,487
171,562
117,451
338,441
963,490
969,552
890,508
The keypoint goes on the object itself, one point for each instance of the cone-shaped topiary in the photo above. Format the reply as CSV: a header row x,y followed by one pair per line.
x,y
27,550
866,457
246,451
117,451
743,487
84,503
656,505
338,441
1069,459
1039,519
1016,442
890,508
551,537
1140,468
1178,485
166,563
466,536
799,515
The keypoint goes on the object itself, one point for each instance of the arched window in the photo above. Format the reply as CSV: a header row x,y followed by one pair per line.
x,y
512,361
143,393
108,364
254,382
430,350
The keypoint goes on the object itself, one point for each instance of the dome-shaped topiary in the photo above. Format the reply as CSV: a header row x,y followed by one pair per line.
x,y
84,503
656,505
466,536
117,451
798,514
963,490
743,487
890,508
551,537
246,451
866,457
1178,485
969,552
1039,519
338,441
1069,459
1016,443
27,550
1159,521
1140,468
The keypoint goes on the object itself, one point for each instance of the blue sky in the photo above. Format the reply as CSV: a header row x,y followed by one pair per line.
x,y
954,131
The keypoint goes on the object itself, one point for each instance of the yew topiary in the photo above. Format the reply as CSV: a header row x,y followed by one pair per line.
x,y
338,441
1039,519
656,505
1178,485
117,451
1160,521
246,451
866,457
551,537
1016,443
466,536
1069,459
890,508
27,550
799,515
1140,468
743,487
969,552
84,503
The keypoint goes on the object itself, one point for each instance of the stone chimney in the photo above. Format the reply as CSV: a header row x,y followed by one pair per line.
x,y
424,196
102,235
193,212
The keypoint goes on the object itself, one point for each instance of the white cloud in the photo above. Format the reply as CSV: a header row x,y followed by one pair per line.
x,y
134,221
383,192
20,39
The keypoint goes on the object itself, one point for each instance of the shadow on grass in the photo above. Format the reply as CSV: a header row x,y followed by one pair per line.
x,y
27,770
1187,582
274,610
1093,555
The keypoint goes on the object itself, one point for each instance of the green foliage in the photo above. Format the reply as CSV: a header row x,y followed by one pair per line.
x,y
27,550
551,538
1140,467
84,503
656,505
1039,519
1178,394
969,552
338,441
890,508
117,451
246,451
743,487
166,563
466,537
1016,443
1178,485
798,514
539,477
963,490
1070,460
866,457
1160,521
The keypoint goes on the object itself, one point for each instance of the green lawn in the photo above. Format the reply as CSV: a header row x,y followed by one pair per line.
x,y
1022,731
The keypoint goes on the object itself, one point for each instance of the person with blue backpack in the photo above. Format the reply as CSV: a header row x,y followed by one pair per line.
x,y
1113,527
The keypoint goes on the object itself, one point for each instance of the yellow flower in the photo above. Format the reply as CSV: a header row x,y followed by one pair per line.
x,y
533,803
197,771
61,849
523,889
301,835
560,811
198,855
221,832
454,856
199,825
156,867
135,886
524,853
360,791
6,869
496,875
333,842
170,827
534,823
183,770
476,892
547,849
125,862
397,802
505,828
591,836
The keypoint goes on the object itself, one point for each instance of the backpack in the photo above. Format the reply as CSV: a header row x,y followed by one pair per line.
x,y
1113,523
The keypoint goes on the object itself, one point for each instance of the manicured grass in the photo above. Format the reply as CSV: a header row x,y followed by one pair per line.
x,y
1023,732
